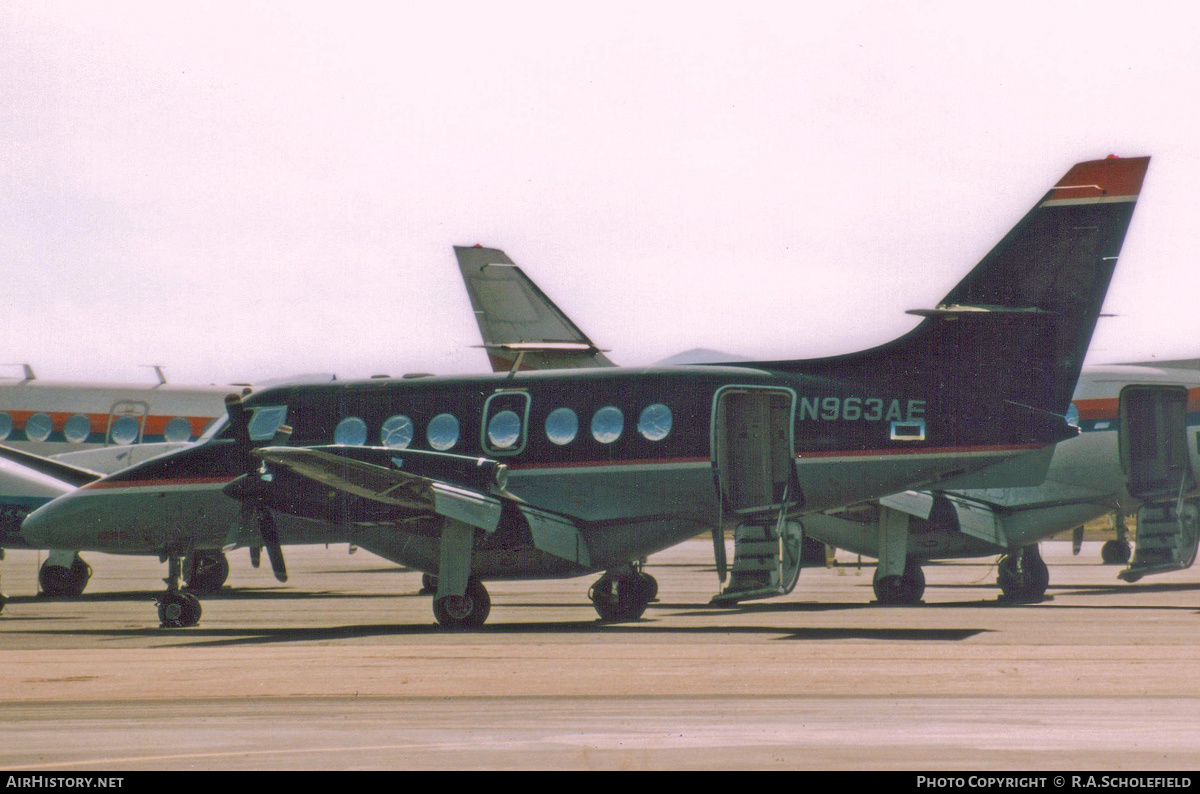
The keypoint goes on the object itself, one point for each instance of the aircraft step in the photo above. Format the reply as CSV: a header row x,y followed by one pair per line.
x,y
758,570
1166,541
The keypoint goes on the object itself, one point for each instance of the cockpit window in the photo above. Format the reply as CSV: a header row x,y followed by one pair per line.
x,y
266,420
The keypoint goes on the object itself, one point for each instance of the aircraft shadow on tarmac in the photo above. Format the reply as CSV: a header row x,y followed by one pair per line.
x,y
241,593
199,636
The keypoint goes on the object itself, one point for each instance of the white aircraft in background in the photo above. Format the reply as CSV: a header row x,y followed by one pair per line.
x,y
58,435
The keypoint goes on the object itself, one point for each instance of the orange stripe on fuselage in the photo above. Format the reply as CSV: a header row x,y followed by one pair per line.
x,y
1102,408
154,426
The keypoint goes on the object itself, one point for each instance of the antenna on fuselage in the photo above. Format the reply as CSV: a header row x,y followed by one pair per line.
x,y
158,370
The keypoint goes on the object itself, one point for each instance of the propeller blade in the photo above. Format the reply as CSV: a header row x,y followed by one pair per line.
x,y
270,536
255,556
239,419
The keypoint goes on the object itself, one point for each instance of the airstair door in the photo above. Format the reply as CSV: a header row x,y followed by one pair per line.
x,y
126,422
1158,474
754,467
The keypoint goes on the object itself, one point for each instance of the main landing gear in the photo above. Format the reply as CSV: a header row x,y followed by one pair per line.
x,y
57,580
1024,576
205,571
177,609
907,588
623,594
467,611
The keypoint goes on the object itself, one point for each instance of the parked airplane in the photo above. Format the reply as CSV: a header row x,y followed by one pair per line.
x,y
973,395
1133,455
521,327
1106,469
91,429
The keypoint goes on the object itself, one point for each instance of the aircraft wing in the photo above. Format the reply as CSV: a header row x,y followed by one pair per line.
x,y
72,475
378,485
521,327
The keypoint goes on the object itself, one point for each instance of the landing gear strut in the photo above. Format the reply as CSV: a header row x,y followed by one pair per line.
x,y
907,588
623,595
176,609
59,581
1024,576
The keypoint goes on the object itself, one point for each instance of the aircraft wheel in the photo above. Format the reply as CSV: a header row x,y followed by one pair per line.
x,y
178,610
58,581
651,586
1024,576
1115,552
205,571
3,601
468,611
621,598
428,583
904,589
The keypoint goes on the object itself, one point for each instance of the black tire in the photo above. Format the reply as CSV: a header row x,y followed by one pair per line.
x,y
1115,552
651,586
57,581
205,571
178,610
901,590
468,611
618,599
1024,577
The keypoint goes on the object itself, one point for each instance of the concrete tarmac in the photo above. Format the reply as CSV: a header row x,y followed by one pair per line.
x,y
343,668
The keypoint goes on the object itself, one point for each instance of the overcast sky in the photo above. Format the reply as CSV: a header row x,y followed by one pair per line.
x,y
242,191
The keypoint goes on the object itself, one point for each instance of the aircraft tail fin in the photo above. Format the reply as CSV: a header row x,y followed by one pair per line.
x,y
1017,327
521,327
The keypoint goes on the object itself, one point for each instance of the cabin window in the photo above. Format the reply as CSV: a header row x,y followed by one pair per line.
x,y
397,432
178,429
442,432
655,422
607,424
350,432
504,428
77,429
125,429
561,426
6,425
38,427
266,420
